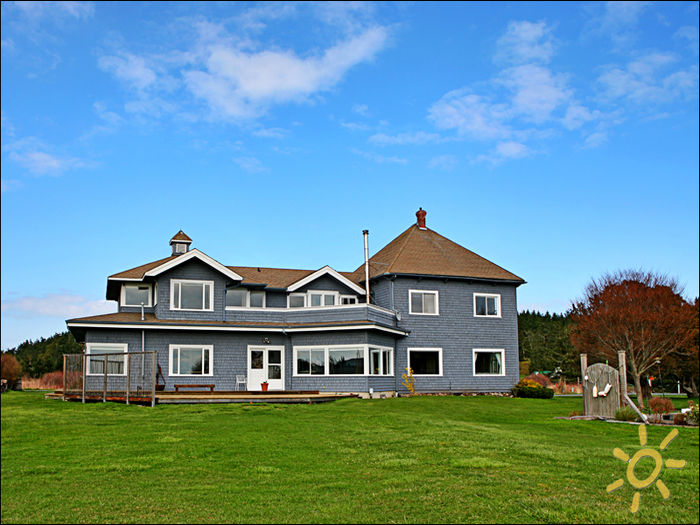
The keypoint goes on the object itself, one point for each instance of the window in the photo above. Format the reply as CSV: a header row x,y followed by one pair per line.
x,y
116,365
242,298
191,295
311,362
348,299
135,294
297,300
487,305
191,360
489,362
343,360
256,299
380,362
322,298
425,361
423,302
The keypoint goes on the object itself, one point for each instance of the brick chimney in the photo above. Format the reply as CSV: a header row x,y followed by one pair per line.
x,y
420,216
180,243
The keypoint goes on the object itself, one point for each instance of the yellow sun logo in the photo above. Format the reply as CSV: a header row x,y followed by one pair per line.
x,y
646,453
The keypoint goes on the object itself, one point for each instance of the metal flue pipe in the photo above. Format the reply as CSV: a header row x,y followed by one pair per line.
x,y
365,233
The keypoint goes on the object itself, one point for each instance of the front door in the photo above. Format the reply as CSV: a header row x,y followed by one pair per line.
x,y
266,363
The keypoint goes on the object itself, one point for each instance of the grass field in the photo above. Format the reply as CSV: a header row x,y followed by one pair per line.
x,y
422,459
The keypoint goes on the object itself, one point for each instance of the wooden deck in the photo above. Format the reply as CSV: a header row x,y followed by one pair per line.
x,y
303,397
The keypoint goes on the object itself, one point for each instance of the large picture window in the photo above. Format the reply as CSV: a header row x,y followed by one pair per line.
x,y
346,361
311,362
425,361
487,305
191,295
423,302
488,362
191,360
113,356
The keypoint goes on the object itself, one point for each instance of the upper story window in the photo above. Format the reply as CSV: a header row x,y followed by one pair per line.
x,y
242,298
191,295
136,294
318,298
423,302
487,305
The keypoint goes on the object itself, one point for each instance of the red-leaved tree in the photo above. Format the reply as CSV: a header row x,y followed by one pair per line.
x,y
640,313
9,368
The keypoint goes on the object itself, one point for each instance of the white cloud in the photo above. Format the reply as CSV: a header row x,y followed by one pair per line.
x,y
9,184
419,137
471,115
33,155
355,126
690,35
63,306
618,21
503,151
129,68
525,42
77,10
361,109
537,92
596,139
250,164
443,162
644,81
577,115
380,159
242,84
270,133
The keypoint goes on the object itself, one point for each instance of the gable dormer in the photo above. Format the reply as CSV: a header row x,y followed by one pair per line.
x,y
180,243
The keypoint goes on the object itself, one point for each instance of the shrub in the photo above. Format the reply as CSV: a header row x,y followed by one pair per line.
x,y
529,388
626,413
9,368
661,405
679,419
52,380
540,379
693,414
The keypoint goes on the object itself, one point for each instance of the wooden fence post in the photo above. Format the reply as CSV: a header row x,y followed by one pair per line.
x,y
127,358
104,392
622,364
584,366
84,367
64,377
153,390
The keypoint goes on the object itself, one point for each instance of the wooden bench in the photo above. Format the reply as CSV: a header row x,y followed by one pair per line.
x,y
178,387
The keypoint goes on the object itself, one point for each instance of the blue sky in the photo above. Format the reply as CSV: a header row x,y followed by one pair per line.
x,y
559,140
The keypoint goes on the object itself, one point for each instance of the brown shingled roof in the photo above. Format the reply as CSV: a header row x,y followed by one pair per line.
x,y
425,252
275,277
139,271
181,236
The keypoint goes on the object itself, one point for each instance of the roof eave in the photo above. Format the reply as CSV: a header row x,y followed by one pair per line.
x,y
516,282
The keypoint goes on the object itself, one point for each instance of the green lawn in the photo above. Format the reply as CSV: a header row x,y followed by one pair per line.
x,y
423,459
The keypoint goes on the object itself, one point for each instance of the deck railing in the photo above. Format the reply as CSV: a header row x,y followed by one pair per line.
x,y
128,376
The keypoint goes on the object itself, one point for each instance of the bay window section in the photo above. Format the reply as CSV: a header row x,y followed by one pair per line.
x,y
425,361
322,298
236,298
113,355
297,300
380,361
256,299
489,362
191,295
191,360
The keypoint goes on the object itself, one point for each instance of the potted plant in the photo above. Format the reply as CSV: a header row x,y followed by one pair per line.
x,y
264,386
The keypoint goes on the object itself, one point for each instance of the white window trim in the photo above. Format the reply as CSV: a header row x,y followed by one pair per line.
x,y
173,282
247,301
335,294
502,351
353,297
437,302
88,351
487,295
296,295
171,348
426,349
326,363
122,299
194,253
372,348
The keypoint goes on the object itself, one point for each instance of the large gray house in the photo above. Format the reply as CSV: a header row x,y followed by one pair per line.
x,y
434,306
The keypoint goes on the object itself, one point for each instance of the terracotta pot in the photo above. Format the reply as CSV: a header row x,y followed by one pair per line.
x,y
264,386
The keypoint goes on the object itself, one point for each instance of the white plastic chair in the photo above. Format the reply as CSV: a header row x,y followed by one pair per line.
x,y
241,381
